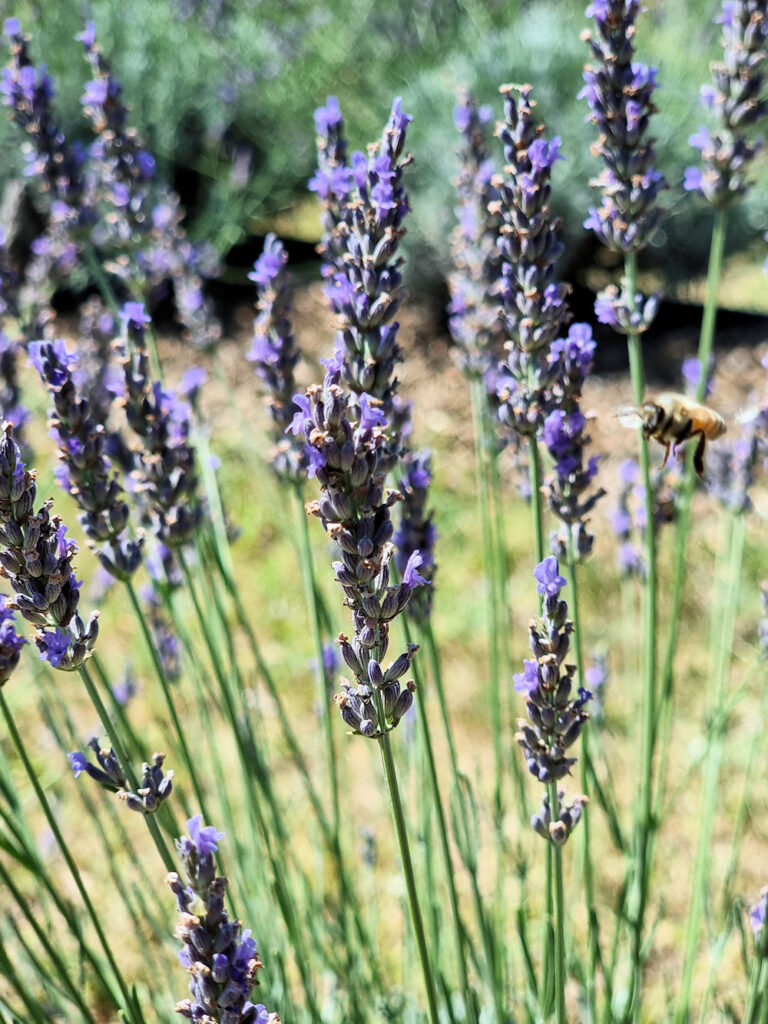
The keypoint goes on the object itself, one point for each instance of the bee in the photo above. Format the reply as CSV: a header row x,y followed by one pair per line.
x,y
673,419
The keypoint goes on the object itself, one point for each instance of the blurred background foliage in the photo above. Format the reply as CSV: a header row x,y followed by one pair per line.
x,y
224,92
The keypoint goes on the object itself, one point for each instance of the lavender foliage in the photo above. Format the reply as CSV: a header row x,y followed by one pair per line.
x,y
275,355
349,453
36,558
739,102
221,960
555,718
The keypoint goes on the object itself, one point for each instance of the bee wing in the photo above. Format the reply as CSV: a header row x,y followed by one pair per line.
x,y
630,416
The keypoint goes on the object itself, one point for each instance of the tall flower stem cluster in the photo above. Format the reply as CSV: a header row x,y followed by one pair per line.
x,y
737,97
555,721
619,92
349,452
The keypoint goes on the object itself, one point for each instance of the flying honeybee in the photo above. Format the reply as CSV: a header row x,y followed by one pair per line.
x,y
673,419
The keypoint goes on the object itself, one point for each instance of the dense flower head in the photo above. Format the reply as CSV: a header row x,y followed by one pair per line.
x,y
89,477
738,100
166,462
476,263
36,558
619,92
555,717
534,303
625,313
364,268
274,352
349,454
27,90
416,534
10,641
332,182
220,958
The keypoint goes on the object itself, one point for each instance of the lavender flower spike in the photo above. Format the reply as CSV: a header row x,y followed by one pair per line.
x,y
86,471
417,532
739,101
473,310
555,719
619,92
366,289
36,557
332,183
349,453
221,960
274,353
534,305
167,461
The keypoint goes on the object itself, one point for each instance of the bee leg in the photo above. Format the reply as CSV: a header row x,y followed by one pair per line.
x,y
666,454
698,456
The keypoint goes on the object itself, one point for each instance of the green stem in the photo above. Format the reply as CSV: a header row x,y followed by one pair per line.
x,y
589,894
478,400
534,471
398,817
644,819
102,281
685,496
717,722
323,696
130,1008
559,913
459,934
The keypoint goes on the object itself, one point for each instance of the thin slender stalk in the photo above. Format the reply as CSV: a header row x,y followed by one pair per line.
x,y
129,1005
534,470
459,934
700,887
390,774
559,913
93,264
308,578
478,400
586,824
644,818
685,495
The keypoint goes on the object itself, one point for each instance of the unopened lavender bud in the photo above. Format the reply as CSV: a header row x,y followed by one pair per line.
x,y
404,702
375,675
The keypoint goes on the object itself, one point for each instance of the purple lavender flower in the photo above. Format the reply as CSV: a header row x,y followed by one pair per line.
x,y
619,93
366,286
555,719
352,460
167,463
10,641
757,915
476,263
274,353
417,533
166,642
566,438
738,101
155,788
690,371
28,91
732,465
534,305
36,558
332,183
221,960
89,478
